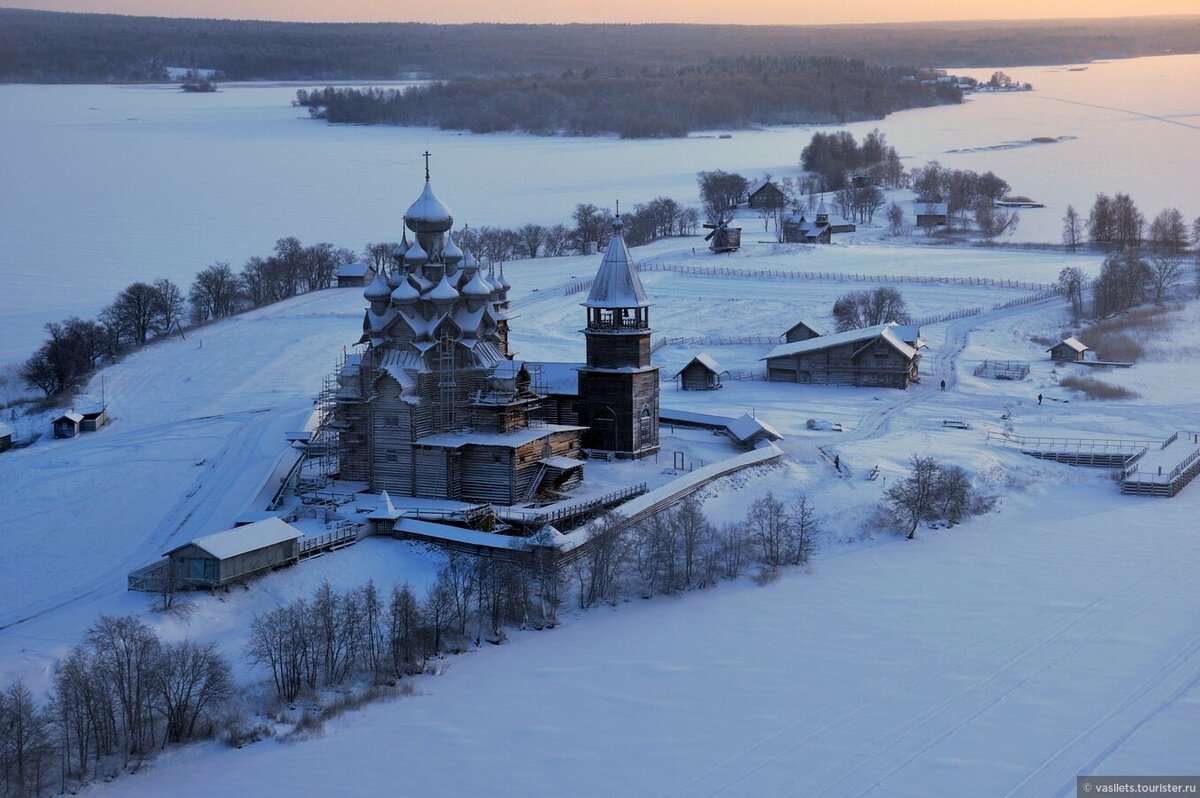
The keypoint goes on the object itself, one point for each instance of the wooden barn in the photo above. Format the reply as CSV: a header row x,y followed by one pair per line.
x,y
702,373
1069,349
878,356
351,275
6,437
931,214
800,331
748,432
236,554
67,425
765,195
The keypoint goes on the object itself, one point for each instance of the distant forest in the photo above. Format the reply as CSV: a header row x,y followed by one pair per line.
x,y
648,103
53,47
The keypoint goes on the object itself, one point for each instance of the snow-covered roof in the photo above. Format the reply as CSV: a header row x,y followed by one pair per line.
x,y
245,539
759,185
812,328
397,362
745,428
385,510
428,209
517,437
1073,342
5,431
930,208
561,463
558,378
617,284
894,333
706,360
352,270
70,415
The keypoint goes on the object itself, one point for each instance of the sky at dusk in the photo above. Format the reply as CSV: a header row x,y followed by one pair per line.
x,y
633,11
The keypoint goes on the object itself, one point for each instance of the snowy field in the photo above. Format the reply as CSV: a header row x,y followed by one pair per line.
x,y
110,184
1055,636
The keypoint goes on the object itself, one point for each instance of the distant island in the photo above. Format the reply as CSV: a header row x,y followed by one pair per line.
x,y
728,93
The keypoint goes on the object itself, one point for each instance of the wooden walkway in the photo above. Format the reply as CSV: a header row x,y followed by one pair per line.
x,y
1086,452
1165,470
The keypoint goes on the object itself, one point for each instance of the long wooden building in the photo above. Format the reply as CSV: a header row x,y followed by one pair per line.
x,y
886,355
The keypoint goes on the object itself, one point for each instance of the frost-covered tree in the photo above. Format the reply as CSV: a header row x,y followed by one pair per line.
x,y
911,499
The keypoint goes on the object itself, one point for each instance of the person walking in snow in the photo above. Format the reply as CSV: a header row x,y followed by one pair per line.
x,y
1039,398
943,385
837,462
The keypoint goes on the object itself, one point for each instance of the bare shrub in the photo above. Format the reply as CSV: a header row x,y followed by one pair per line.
x,y
1096,389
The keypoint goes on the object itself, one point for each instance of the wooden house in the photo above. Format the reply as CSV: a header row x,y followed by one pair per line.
x,y
702,373
234,555
67,425
1069,349
931,214
6,437
876,356
765,194
800,331
558,385
351,275
748,432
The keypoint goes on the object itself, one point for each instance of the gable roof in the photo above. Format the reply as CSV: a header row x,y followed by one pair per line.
x,y
5,430
352,270
805,325
70,415
894,333
245,539
706,360
617,284
759,185
1073,342
746,429
930,208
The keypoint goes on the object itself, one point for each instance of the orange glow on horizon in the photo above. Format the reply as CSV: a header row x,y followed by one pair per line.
x,y
709,12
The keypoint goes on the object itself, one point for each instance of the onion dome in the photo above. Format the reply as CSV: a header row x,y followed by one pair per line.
x,y
451,254
428,214
405,293
504,283
469,261
443,291
415,254
395,277
477,288
493,282
378,290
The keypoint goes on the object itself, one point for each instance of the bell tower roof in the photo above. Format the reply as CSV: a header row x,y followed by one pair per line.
x,y
617,284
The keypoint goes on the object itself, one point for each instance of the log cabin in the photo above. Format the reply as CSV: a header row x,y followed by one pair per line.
x,y
878,356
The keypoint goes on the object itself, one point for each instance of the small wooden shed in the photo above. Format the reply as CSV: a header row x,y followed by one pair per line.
x,y
67,425
800,331
95,416
931,214
6,436
702,373
1068,349
235,554
352,275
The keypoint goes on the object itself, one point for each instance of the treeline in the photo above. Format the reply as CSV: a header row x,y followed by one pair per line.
x,y
56,47
642,103
144,311
118,695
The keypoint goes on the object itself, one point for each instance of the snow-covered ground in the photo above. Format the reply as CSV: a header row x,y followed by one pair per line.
x,y
1056,636
105,185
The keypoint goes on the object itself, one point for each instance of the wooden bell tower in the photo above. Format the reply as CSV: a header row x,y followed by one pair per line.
x,y
618,389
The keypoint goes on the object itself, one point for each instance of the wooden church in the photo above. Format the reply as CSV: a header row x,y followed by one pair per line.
x,y
436,407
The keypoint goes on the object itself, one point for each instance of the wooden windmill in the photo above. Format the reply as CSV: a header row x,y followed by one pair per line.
x,y
723,238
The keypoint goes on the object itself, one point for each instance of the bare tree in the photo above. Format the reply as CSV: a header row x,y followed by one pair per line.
x,y
1070,285
895,218
191,680
769,529
168,306
858,309
995,222
128,652
912,498
532,236
1165,272
214,293
1168,232
1101,223
805,527
1072,229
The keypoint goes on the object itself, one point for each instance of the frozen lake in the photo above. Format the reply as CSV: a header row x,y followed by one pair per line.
x,y
104,185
